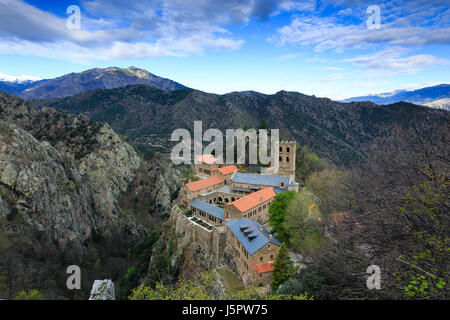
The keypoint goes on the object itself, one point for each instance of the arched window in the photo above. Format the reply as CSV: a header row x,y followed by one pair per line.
x,y
287,159
281,149
288,149
281,159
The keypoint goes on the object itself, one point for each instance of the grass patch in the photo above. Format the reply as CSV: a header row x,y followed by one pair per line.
x,y
232,283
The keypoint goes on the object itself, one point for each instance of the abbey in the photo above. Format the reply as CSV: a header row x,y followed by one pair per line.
x,y
232,207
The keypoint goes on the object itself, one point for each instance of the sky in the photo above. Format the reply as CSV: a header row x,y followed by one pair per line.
x,y
327,48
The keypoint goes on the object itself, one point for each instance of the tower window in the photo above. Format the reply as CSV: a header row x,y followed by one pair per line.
x,y
288,149
281,159
287,159
281,149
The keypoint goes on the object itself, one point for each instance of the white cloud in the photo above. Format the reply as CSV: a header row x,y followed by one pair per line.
x,y
288,56
128,29
324,33
405,23
394,59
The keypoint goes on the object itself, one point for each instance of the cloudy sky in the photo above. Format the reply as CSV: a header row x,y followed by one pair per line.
x,y
329,48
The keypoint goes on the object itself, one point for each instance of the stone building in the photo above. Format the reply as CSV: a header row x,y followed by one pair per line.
x,y
254,206
254,250
235,204
193,189
246,183
205,164
220,196
286,161
207,212
226,172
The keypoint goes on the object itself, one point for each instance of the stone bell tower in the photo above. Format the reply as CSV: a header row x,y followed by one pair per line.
x,y
287,158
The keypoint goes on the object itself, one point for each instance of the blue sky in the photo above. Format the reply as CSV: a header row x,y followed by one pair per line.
x,y
317,47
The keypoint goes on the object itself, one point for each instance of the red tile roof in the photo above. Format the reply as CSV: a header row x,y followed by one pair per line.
x,y
253,199
263,267
204,183
227,169
207,158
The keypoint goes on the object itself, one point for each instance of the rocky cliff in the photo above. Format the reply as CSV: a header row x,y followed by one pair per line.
x,y
189,248
68,183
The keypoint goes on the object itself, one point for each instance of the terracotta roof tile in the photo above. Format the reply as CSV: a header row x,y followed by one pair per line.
x,y
204,183
227,169
263,267
207,158
252,200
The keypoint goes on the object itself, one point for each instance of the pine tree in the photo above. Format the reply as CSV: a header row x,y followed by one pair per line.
x,y
283,268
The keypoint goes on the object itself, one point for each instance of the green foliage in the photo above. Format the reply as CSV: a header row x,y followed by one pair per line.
x,y
303,224
204,287
296,288
283,268
263,125
140,255
130,272
189,175
428,273
32,294
277,213
308,163
330,188
198,289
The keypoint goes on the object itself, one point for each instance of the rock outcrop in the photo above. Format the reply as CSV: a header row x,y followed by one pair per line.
x,y
194,249
63,174
102,290
47,189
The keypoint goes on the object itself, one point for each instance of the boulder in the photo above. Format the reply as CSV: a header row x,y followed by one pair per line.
x,y
102,290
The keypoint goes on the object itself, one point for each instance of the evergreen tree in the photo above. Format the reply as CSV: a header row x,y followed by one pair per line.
x,y
277,213
283,268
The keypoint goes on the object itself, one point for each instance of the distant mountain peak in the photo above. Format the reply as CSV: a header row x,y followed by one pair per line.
x,y
434,96
92,79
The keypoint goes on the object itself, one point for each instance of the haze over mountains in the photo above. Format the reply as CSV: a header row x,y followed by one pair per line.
x,y
435,96
92,79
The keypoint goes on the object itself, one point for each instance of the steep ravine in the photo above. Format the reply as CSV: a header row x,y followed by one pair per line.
x,y
64,185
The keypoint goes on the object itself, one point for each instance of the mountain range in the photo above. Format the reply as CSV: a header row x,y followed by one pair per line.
x,y
340,132
435,96
147,109
92,79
